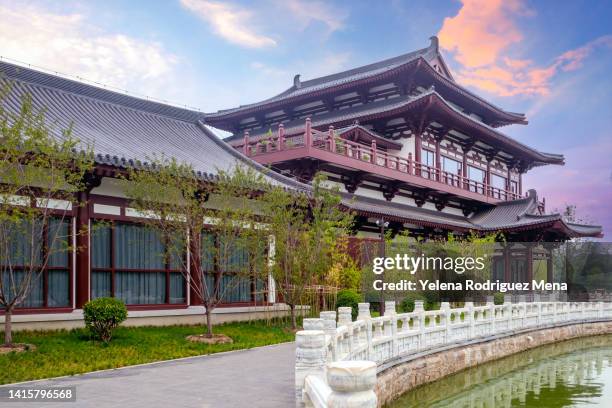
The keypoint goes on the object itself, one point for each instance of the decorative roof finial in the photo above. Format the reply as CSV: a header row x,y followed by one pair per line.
x,y
434,43
296,81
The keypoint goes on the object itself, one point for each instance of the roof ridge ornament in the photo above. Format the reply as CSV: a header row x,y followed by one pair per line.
x,y
297,84
434,43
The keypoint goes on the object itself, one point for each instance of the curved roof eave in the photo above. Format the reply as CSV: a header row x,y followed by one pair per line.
x,y
286,95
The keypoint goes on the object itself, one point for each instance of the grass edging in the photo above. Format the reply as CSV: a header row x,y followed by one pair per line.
x,y
70,353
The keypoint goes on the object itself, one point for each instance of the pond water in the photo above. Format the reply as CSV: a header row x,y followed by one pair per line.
x,y
575,373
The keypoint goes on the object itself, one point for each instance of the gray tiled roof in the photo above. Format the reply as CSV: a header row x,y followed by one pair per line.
x,y
504,216
123,128
329,81
366,71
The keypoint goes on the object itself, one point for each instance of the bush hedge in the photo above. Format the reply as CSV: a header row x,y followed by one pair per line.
x,y
103,315
348,298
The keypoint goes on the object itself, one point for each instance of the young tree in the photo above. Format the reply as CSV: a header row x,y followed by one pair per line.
x,y
306,229
215,220
40,176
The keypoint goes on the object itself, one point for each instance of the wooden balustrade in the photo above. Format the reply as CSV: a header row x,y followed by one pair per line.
x,y
327,141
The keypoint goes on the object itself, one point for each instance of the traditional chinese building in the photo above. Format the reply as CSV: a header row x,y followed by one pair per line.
x,y
406,144
118,255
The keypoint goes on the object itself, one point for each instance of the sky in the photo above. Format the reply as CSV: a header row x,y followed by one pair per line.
x,y
548,59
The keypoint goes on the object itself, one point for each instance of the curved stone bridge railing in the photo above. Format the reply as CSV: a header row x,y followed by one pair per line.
x,y
337,359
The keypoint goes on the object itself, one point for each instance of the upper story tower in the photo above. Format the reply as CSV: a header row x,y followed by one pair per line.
x,y
401,129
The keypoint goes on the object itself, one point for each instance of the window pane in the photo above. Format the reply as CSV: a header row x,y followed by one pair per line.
x,y
428,157
35,296
209,280
235,289
59,288
235,257
260,289
23,242
451,166
100,284
476,174
100,246
58,241
208,251
177,288
177,253
498,181
140,288
138,247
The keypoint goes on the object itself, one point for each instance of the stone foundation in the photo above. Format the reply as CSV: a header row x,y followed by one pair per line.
x,y
421,369
189,316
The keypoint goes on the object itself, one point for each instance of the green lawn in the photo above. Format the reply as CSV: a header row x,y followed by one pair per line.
x,y
72,352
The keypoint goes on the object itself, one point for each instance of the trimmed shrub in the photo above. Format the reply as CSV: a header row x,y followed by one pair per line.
x,y
103,315
348,298
407,304
498,298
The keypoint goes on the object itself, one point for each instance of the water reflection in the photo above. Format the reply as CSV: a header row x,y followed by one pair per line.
x,y
569,374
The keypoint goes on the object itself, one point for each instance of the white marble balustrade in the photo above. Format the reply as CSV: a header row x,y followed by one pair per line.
x,y
352,347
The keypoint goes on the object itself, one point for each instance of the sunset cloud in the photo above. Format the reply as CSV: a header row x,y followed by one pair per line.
x,y
480,36
229,22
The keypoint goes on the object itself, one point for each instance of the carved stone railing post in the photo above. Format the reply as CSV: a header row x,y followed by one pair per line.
x,y
352,384
364,314
469,317
310,359
392,326
345,315
491,312
363,311
329,327
446,320
345,319
419,322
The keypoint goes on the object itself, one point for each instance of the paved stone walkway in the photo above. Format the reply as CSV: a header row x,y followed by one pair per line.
x,y
261,377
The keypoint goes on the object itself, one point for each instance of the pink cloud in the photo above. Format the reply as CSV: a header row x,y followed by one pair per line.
x,y
482,33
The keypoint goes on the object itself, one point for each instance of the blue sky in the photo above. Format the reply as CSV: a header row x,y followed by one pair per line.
x,y
548,59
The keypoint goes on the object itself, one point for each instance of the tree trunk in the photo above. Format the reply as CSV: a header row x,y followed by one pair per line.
x,y
209,325
8,327
293,319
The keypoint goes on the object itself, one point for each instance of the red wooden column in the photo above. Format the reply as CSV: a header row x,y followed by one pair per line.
x,y
417,154
374,152
281,137
488,178
308,133
438,159
332,142
464,168
508,188
194,261
82,255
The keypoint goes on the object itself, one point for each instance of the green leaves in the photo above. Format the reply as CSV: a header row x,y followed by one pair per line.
x,y
103,315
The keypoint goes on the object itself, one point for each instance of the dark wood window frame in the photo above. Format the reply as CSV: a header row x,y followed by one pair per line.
x,y
68,219
167,270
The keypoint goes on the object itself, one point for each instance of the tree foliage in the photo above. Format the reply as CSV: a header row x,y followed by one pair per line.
x,y
42,169
306,229
215,220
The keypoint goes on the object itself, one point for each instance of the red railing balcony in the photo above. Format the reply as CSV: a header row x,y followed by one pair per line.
x,y
326,146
